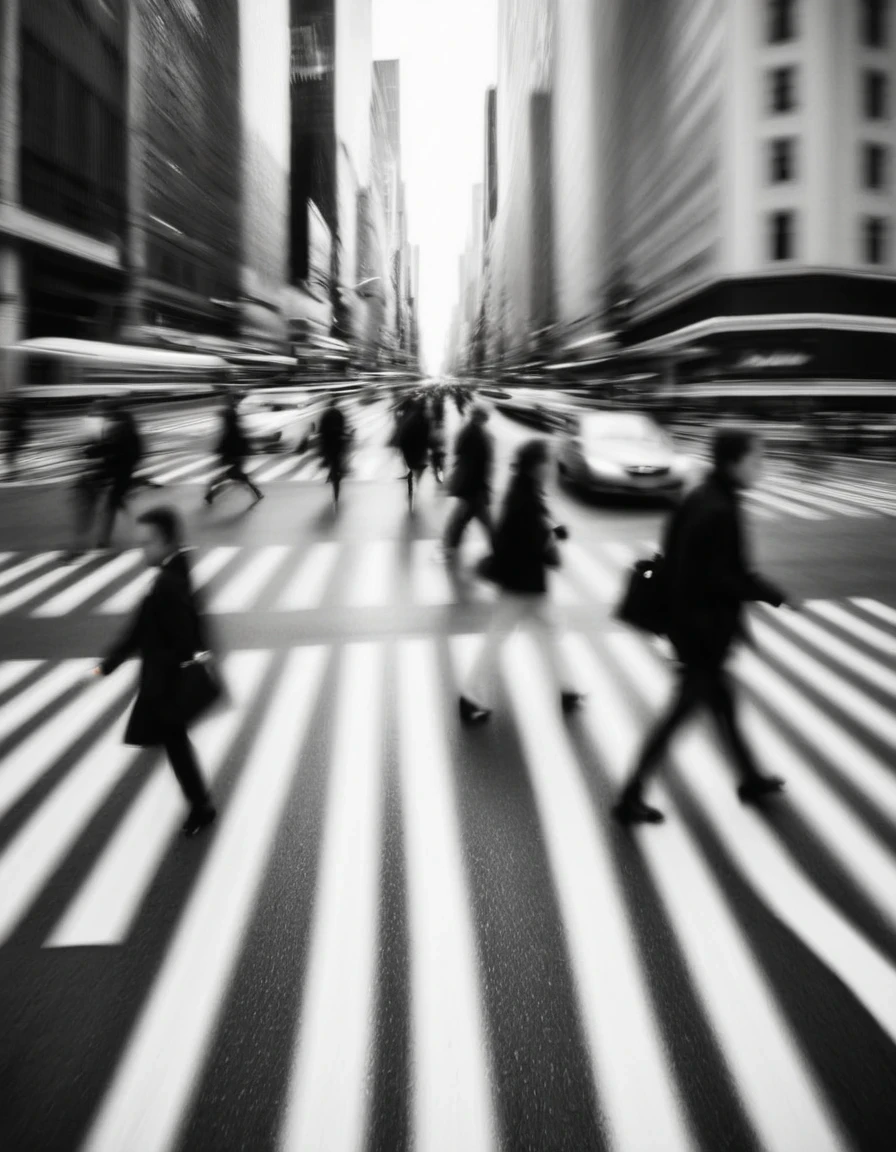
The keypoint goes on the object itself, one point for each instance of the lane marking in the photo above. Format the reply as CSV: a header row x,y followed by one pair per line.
x,y
307,588
326,1104
74,596
452,1103
149,1098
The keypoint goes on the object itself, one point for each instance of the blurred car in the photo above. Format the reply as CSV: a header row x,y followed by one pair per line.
x,y
623,454
547,410
278,425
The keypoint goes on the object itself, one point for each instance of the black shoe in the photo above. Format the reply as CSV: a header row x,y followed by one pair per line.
x,y
571,701
208,498
631,809
471,713
72,555
259,495
198,819
759,786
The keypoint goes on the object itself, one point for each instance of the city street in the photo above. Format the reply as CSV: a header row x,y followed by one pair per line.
x,y
403,933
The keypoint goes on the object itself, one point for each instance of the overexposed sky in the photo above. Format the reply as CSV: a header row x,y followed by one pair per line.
x,y
448,54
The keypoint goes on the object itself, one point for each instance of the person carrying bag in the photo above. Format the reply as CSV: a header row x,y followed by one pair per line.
x,y
179,681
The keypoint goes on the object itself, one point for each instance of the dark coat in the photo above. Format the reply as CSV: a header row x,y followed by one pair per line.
x,y
233,445
525,546
474,459
166,631
707,573
333,435
413,438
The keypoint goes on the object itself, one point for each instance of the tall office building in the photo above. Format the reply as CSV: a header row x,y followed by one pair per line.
x,y
385,164
330,151
520,299
264,110
184,186
62,169
737,179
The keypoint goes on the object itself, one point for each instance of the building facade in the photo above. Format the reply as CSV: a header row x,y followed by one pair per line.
x,y
63,221
184,118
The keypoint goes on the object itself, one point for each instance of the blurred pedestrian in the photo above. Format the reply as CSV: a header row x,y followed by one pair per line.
x,y
121,452
18,431
334,439
707,578
88,487
413,443
233,447
525,547
470,480
168,634
437,439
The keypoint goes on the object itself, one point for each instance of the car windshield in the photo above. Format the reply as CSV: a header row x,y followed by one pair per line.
x,y
621,427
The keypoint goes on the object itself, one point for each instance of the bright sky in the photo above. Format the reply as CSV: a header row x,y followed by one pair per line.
x,y
448,53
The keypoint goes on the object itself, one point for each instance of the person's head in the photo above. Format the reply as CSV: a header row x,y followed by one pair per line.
x,y
533,460
737,455
161,534
479,413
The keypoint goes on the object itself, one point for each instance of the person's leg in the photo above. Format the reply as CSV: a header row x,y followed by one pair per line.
x,y
183,762
482,512
458,519
479,682
541,617
115,496
691,688
720,696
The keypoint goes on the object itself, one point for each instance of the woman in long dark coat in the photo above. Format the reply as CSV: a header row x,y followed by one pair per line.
x,y
166,632
524,548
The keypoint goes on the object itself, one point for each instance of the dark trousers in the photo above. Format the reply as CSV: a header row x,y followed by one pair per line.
x,y
116,500
233,475
464,512
183,760
698,684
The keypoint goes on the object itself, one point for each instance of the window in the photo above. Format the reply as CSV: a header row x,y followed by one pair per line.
x,y
874,166
781,235
782,89
782,160
875,95
874,240
781,21
873,16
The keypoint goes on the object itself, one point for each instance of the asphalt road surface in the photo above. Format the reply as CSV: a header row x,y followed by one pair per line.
x,y
401,933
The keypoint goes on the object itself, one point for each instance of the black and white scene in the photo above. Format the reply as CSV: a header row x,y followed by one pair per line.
x,y
447,575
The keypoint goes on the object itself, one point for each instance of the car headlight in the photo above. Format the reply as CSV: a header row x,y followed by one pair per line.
x,y
603,467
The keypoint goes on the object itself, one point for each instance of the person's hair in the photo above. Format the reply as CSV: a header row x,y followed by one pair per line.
x,y
730,445
530,456
166,521
479,412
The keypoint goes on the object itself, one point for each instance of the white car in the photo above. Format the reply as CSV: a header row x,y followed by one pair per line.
x,y
623,454
278,425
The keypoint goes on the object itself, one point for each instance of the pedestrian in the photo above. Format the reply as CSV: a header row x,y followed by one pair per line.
x,y
88,487
413,442
471,480
167,633
437,440
707,578
333,440
122,450
525,547
18,431
233,447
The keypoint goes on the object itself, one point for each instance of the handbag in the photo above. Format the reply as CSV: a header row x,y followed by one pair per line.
x,y
644,604
199,686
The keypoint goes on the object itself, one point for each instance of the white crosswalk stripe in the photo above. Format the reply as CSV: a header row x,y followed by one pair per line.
x,y
74,597
638,1090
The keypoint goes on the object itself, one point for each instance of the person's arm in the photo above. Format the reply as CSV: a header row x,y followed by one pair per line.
x,y
726,568
127,644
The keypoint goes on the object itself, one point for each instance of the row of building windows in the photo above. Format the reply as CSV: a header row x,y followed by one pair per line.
x,y
782,237
782,23
782,95
874,163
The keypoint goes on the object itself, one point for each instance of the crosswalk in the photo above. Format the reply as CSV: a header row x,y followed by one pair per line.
x,y
334,574
279,578
319,726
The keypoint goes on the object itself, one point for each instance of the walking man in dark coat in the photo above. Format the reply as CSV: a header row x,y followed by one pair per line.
x,y
707,579
166,632
471,480
334,438
233,447
122,452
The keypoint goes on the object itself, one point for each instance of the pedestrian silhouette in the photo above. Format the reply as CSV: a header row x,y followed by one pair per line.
x,y
706,579
525,547
167,633
470,481
232,449
18,431
334,439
